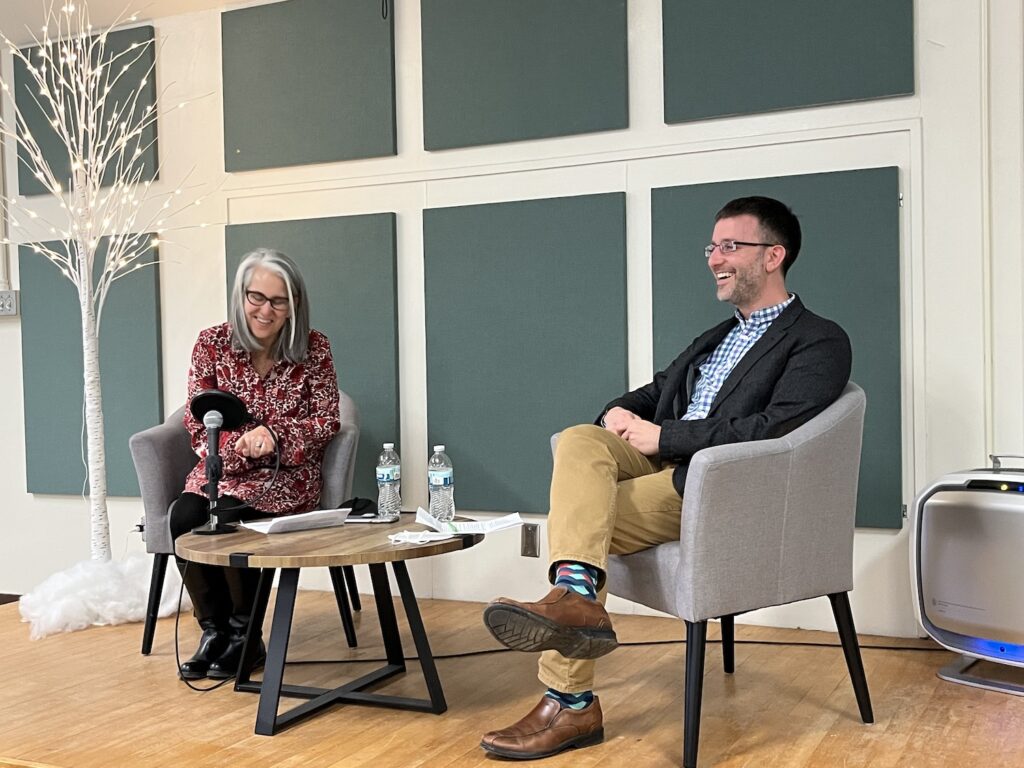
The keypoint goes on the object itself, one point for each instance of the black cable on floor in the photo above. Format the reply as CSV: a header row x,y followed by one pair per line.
x,y
486,651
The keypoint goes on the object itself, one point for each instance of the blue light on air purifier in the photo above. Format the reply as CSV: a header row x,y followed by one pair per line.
x,y
992,649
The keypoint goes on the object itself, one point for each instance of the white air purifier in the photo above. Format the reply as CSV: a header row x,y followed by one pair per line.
x,y
967,568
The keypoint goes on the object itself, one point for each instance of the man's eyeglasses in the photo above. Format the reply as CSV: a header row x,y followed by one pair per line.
x,y
257,299
729,246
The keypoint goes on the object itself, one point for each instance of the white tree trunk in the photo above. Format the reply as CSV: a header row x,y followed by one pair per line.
x,y
99,523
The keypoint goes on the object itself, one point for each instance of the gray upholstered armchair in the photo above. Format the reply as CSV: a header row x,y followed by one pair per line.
x,y
764,523
163,458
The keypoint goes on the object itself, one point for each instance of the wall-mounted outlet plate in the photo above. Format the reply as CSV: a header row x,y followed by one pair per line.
x,y
531,540
8,303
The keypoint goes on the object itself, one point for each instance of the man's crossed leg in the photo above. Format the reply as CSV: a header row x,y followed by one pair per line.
x,y
606,497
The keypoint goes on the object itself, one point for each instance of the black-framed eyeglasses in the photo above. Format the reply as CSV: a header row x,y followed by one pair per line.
x,y
257,299
730,246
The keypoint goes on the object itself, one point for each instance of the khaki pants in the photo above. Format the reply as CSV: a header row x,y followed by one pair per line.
x,y
606,497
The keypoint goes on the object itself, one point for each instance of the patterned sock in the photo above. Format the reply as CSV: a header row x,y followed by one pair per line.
x,y
578,577
571,700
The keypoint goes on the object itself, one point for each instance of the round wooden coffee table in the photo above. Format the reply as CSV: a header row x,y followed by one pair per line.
x,y
350,544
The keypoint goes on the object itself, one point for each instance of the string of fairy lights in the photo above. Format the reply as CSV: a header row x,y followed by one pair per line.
x,y
72,76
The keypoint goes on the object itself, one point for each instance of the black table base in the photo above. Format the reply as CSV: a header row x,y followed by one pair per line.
x,y
272,687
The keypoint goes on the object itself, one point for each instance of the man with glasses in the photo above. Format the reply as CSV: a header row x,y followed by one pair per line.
x,y
617,484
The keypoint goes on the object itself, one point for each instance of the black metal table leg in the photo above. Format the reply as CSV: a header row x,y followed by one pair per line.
x,y
255,631
386,615
268,722
353,588
341,597
419,638
273,673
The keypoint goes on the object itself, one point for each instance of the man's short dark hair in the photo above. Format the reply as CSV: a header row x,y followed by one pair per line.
x,y
778,223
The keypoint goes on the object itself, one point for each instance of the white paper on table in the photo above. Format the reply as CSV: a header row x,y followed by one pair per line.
x,y
418,537
469,526
320,518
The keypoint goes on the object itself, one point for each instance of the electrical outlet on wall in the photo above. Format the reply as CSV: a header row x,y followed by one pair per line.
x,y
8,303
531,540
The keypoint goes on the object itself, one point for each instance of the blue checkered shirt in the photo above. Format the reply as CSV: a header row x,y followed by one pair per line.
x,y
727,355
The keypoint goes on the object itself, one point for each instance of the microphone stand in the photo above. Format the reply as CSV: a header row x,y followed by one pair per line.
x,y
213,421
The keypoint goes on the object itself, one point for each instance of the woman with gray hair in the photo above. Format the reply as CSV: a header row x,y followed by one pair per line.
x,y
268,356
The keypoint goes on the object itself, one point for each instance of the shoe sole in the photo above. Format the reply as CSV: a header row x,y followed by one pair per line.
x,y
520,630
588,740
215,675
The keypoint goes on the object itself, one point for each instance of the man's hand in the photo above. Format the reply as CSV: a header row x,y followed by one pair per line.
x,y
255,443
616,420
642,435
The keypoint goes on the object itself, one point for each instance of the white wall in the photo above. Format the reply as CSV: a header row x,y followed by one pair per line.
x,y
960,150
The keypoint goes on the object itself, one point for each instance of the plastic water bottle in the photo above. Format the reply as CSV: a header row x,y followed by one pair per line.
x,y
389,483
441,480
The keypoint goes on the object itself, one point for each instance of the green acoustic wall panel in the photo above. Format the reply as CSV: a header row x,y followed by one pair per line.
x,y
504,70
848,270
307,81
526,335
51,349
119,46
348,264
749,56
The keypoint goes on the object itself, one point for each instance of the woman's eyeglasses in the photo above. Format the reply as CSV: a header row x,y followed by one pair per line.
x,y
257,299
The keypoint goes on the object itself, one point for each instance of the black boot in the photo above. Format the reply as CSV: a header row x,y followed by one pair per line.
x,y
226,665
211,646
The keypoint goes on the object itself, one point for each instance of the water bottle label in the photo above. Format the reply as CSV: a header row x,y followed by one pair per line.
x,y
439,477
387,474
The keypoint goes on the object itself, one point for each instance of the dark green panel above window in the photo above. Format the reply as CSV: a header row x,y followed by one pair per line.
x,y
526,335
749,56
348,263
133,48
497,71
51,349
848,270
307,81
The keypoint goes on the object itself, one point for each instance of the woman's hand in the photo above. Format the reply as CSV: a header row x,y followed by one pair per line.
x,y
255,443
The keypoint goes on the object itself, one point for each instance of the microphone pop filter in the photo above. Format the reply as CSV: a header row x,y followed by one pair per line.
x,y
230,407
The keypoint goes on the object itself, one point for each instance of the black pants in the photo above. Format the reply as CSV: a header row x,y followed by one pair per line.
x,y
217,593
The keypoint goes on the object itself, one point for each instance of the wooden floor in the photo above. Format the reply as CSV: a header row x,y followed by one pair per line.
x,y
90,699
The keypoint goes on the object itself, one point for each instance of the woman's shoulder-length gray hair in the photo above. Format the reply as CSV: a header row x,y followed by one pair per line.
x,y
293,340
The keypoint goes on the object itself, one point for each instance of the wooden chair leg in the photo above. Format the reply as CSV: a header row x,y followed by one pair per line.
x,y
341,596
851,649
696,642
353,590
156,589
728,644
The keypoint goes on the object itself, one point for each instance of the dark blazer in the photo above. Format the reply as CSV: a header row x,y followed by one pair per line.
x,y
793,372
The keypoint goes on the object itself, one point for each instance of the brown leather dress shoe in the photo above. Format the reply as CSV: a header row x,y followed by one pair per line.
x,y
562,621
547,730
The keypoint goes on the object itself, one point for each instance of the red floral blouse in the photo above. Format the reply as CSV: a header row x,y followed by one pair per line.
x,y
298,402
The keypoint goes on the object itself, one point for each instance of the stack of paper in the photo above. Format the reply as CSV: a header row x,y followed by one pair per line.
x,y
320,518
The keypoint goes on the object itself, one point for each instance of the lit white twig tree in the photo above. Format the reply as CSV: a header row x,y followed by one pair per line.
x,y
105,198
